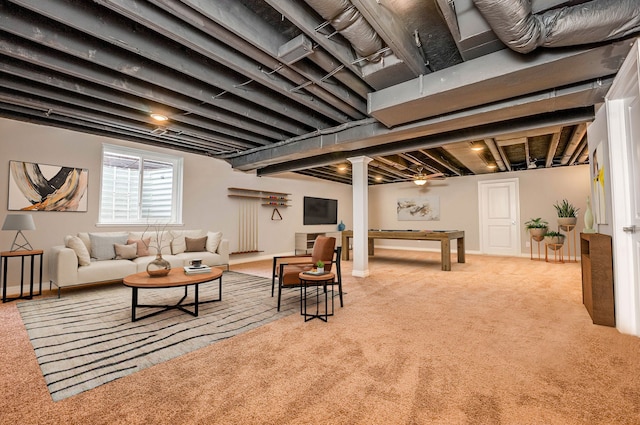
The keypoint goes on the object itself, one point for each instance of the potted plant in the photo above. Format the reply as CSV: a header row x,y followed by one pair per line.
x,y
567,214
553,239
320,266
537,228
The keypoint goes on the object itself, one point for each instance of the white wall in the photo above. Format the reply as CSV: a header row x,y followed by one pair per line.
x,y
539,190
207,206
205,201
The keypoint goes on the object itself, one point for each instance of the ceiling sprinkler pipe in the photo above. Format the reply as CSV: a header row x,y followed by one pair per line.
x,y
591,22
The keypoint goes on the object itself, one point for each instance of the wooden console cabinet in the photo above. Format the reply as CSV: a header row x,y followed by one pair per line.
x,y
304,241
597,278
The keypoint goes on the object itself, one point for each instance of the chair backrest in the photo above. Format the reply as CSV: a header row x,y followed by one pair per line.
x,y
323,248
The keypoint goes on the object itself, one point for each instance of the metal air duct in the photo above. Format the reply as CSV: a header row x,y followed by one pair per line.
x,y
591,22
350,23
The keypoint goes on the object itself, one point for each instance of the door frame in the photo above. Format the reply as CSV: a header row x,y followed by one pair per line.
x,y
517,250
626,281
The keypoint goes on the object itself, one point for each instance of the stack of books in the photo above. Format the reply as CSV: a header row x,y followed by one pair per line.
x,y
197,270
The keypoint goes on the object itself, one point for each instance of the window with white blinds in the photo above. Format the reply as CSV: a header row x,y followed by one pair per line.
x,y
140,187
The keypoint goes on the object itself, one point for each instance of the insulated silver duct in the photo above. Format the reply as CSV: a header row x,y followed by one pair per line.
x,y
350,23
591,22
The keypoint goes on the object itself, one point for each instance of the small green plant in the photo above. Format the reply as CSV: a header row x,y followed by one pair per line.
x,y
320,264
536,223
553,233
565,209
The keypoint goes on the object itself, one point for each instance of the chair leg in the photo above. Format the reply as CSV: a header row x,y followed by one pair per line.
x,y
273,276
279,294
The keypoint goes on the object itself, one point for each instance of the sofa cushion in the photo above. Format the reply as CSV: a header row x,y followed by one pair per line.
x,y
178,245
142,262
102,246
76,244
142,246
213,241
151,238
207,258
195,244
126,252
102,271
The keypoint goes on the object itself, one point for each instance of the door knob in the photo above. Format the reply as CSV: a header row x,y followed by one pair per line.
x,y
629,229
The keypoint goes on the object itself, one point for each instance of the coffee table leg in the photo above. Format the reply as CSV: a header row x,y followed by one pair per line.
x,y
195,307
134,303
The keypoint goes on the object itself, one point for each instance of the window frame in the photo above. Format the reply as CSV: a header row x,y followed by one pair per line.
x,y
145,155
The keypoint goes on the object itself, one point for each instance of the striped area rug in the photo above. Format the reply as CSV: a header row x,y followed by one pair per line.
x,y
86,338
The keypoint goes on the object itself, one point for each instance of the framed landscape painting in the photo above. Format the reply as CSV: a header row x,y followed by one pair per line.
x,y
42,187
422,208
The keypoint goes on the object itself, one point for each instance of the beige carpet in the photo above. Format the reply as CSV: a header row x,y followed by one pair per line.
x,y
495,341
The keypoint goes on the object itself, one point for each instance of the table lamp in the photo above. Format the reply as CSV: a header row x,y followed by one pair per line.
x,y
19,222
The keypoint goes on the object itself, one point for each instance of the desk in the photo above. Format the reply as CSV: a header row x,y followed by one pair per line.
x,y
176,278
444,237
22,254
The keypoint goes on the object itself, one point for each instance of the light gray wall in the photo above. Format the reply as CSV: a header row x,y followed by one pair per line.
x,y
539,190
205,201
207,206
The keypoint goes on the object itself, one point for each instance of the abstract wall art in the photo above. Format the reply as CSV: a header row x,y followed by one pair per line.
x,y
599,196
422,208
42,187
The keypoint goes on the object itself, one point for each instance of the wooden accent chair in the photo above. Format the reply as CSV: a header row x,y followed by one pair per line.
x,y
287,268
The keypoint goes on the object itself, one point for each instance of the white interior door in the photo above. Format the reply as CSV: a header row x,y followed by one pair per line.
x,y
623,119
499,217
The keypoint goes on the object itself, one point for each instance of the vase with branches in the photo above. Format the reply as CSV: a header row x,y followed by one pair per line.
x,y
158,266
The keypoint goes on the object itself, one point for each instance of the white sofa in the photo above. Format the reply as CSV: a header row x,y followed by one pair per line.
x,y
93,257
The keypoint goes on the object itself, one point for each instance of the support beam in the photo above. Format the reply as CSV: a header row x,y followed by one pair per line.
x,y
360,216
553,146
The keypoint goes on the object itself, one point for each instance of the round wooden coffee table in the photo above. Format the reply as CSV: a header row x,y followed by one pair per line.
x,y
321,280
176,278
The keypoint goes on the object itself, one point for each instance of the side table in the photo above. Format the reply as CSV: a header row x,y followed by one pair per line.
x,y
319,281
4,258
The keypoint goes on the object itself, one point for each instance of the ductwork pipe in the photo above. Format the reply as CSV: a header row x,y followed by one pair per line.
x,y
592,22
350,23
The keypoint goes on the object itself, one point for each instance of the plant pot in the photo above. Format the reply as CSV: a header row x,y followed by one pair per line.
x,y
554,242
537,233
565,222
158,267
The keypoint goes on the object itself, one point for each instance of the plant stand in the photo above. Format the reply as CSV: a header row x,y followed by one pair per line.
x,y
531,240
558,256
570,229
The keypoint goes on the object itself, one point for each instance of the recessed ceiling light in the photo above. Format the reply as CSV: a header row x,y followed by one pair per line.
x,y
477,146
158,117
491,165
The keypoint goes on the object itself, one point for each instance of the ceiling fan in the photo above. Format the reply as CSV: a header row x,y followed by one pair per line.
x,y
421,178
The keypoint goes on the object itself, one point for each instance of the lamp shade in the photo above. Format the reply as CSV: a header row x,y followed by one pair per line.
x,y
18,222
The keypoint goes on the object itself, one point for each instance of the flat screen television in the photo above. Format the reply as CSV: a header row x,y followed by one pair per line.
x,y
320,211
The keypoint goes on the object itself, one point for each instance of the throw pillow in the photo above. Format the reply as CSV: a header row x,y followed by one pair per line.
x,y
178,245
213,241
102,246
126,252
142,246
195,244
75,243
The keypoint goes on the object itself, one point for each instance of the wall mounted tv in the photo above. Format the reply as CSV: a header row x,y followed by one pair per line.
x,y
320,211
